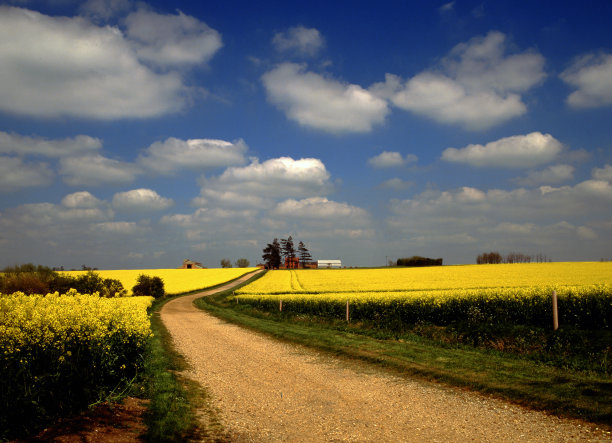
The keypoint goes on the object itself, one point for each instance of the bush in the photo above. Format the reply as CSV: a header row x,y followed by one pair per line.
x,y
147,285
31,279
419,261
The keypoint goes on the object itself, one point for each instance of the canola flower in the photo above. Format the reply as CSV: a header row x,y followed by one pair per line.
x,y
428,278
59,352
518,293
176,281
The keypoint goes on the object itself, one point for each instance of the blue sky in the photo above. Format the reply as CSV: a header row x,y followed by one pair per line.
x,y
137,134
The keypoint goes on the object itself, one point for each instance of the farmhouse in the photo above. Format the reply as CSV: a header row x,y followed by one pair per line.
x,y
335,264
190,264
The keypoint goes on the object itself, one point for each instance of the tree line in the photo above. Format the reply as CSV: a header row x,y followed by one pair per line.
x,y
275,253
495,257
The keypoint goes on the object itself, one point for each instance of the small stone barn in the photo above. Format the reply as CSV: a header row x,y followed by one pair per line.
x,y
190,264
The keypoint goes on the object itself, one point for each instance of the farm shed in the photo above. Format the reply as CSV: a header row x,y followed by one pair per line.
x,y
336,264
190,264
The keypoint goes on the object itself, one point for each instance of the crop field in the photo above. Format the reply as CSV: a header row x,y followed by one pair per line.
x,y
517,293
176,281
58,352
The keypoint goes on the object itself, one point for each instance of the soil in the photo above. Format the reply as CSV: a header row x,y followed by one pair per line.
x,y
108,423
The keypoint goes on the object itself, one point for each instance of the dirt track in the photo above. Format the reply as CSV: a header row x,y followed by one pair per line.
x,y
271,391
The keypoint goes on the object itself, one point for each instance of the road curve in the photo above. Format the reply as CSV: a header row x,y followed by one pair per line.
x,y
267,390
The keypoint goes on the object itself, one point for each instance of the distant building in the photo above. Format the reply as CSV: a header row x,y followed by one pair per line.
x,y
190,264
331,264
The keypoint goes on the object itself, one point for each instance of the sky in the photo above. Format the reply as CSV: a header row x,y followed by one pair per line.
x,y
138,134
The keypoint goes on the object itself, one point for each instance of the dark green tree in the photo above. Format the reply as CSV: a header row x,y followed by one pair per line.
x,y
272,255
304,253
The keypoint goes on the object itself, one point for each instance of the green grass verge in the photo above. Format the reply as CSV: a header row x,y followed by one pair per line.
x,y
179,409
578,394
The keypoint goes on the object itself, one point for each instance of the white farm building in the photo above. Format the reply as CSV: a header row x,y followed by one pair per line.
x,y
323,264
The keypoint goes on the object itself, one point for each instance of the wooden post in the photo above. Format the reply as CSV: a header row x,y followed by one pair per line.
x,y
555,311
347,311
280,306
236,300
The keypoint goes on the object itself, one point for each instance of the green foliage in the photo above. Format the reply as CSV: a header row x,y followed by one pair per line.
x,y
242,263
31,279
148,285
419,261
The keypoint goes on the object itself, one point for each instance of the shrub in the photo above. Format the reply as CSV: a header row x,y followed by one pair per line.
x,y
147,285
419,261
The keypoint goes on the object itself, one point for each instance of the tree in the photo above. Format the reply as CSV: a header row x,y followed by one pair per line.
x,y
304,253
226,263
288,250
272,254
242,263
147,285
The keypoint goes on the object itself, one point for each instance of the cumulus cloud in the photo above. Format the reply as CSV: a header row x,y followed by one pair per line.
x,y
120,227
274,178
319,208
604,173
141,199
104,9
174,154
591,75
171,39
396,184
57,66
11,143
542,220
96,170
477,85
305,41
82,199
387,159
17,174
322,103
554,174
519,151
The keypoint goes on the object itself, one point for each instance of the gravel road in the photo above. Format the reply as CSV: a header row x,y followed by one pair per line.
x,y
269,391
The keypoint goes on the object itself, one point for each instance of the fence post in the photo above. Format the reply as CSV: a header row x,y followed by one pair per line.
x,y
347,311
555,311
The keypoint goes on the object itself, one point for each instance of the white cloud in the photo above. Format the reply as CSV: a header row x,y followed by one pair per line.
x,y
323,103
120,227
11,143
467,220
171,39
104,9
141,199
387,159
319,208
477,85
15,174
446,7
551,175
397,184
604,173
519,151
96,170
174,154
274,178
591,75
56,66
306,41
82,199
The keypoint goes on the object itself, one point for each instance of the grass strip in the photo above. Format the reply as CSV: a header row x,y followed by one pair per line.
x,y
577,394
179,409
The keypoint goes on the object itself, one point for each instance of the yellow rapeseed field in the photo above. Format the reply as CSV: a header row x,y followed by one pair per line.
x,y
516,293
176,281
395,279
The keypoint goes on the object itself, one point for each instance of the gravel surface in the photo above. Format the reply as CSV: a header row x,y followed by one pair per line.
x,y
266,390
